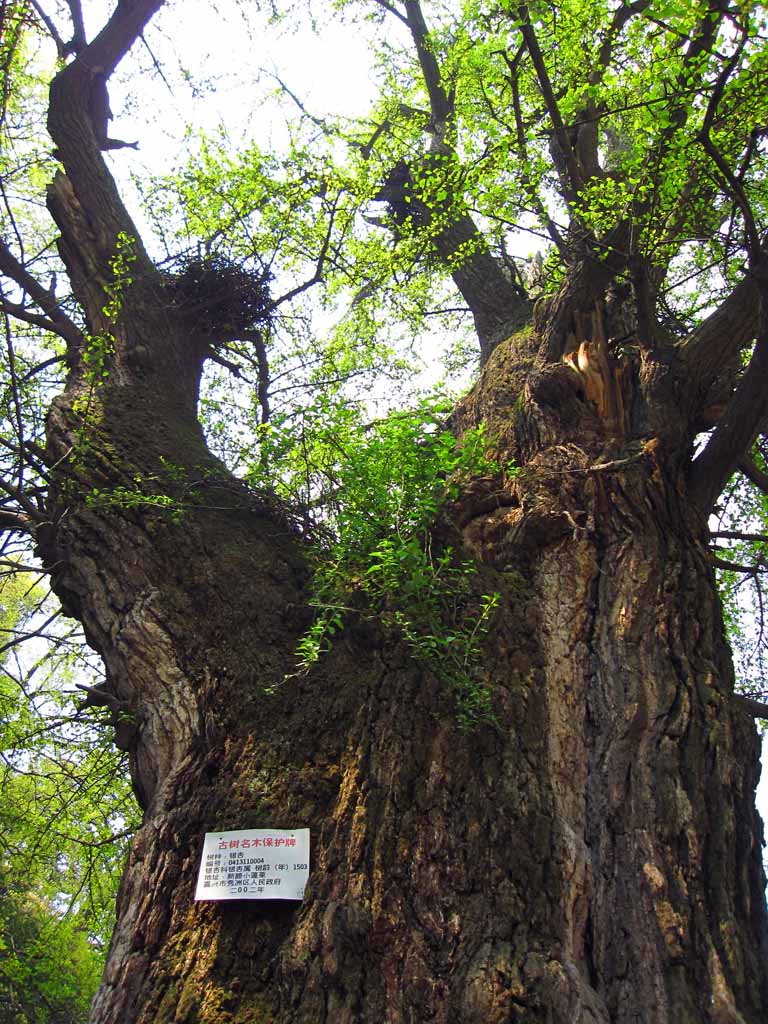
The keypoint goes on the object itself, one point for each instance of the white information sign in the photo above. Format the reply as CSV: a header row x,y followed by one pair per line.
x,y
254,864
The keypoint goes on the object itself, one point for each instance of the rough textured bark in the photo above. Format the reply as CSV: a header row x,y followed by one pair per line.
x,y
595,856
592,857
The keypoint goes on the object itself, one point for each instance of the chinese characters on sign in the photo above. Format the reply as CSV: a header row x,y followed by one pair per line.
x,y
254,864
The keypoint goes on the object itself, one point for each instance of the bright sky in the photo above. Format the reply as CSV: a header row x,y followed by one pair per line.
x,y
230,64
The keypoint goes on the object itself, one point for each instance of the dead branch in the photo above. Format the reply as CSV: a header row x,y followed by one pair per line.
x,y
55,319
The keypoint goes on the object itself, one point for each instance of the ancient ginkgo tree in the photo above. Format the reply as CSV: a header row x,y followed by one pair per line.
x,y
482,655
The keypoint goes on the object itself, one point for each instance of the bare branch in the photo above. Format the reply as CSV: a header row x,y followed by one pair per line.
x,y
14,384
42,297
79,41
16,522
40,367
737,535
61,46
156,63
20,638
392,10
561,136
317,121
21,499
95,844
317,276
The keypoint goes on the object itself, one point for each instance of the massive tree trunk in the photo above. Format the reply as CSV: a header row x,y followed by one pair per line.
x,y
593,855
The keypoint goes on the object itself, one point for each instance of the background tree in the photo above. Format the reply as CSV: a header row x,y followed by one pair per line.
x,y
560,825
47,968
65,817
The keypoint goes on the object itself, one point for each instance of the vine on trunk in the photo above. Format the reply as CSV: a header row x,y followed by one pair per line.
x,y
384,563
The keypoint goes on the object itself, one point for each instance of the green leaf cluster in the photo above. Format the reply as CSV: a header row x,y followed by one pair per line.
x,y
48,969
65,816
740,537
380,561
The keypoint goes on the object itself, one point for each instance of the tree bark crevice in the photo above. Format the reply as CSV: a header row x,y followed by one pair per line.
x,y
590,856
448,880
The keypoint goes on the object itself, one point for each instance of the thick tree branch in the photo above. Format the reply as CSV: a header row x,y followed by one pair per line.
x,y
19,312
733,184
585,284
522,148
679,110
439,100
747,570
55,318
127,23
78,41
498,307
700,43
234,369
264,380
753,474
621,17
17,522
715,344
761,538
78,146
572,179
756,708
746,412
392,10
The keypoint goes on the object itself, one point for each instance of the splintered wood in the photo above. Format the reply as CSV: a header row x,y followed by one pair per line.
x,y
601,377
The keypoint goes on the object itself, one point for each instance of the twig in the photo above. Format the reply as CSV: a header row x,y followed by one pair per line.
x,y
736,535
61,46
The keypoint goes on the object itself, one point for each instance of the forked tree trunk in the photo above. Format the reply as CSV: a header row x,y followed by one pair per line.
x,y
594,856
